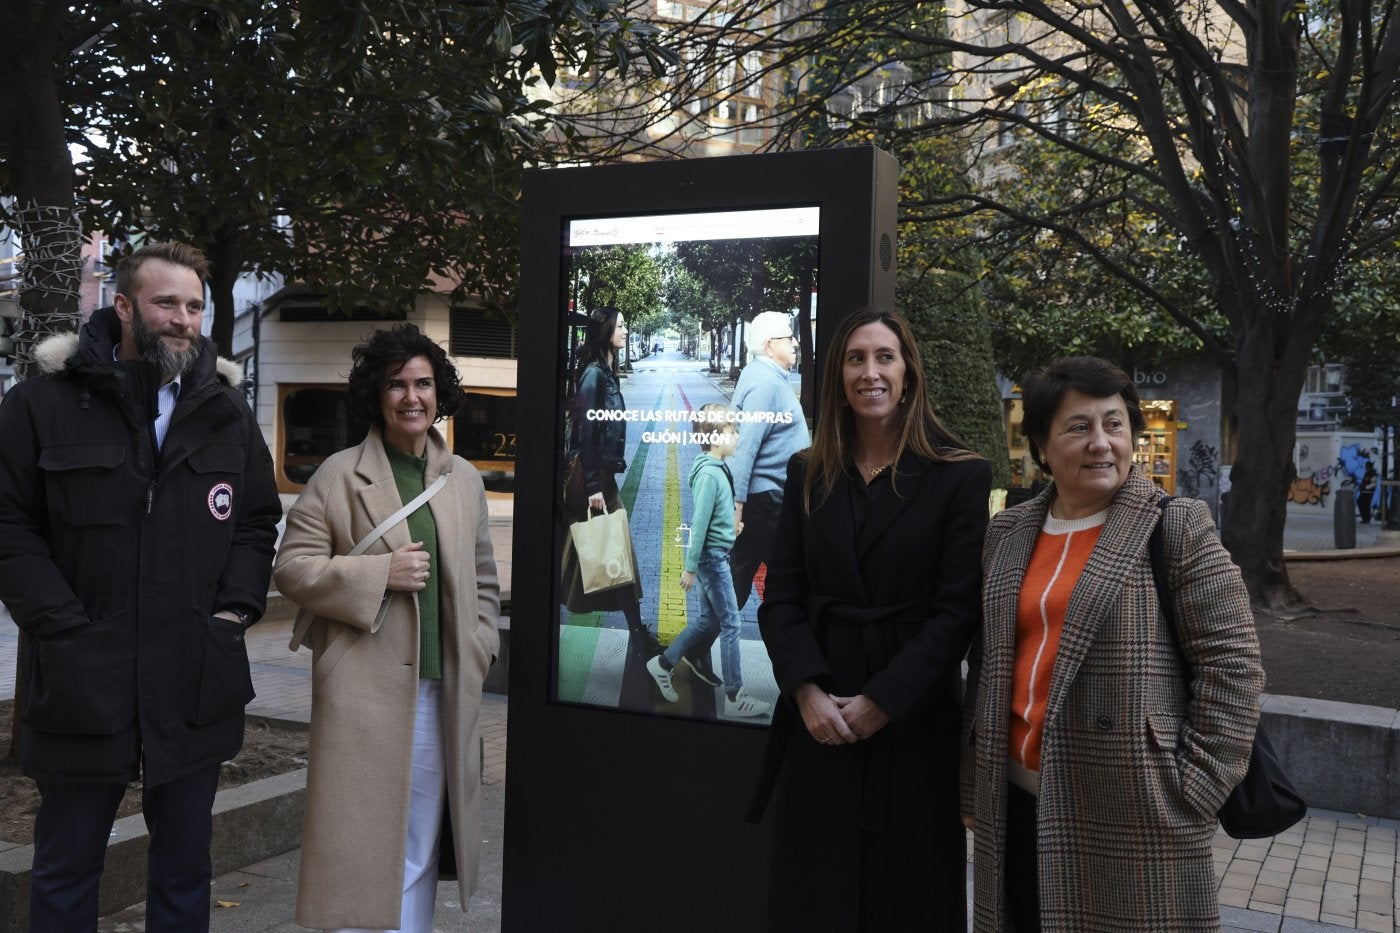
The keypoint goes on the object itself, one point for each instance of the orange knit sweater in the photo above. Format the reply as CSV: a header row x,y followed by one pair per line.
x,y
1057,560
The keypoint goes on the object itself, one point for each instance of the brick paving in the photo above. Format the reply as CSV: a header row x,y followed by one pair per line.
x,y
1332,871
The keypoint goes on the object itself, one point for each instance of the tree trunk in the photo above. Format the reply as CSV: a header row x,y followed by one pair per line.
x,y
1266,410
42,178
226,262
43,184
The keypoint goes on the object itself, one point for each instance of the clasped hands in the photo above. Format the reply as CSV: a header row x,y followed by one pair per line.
x,y
838,720
408,568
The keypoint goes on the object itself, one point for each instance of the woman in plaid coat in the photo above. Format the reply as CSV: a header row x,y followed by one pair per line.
x,y
1094,765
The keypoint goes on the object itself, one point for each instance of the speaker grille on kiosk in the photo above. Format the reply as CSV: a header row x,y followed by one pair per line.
x,y
886,252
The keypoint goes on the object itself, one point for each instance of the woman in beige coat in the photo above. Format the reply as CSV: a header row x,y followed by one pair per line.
x,y
1100,758
403,637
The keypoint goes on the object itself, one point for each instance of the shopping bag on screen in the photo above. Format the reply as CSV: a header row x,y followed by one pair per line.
x,y
604,547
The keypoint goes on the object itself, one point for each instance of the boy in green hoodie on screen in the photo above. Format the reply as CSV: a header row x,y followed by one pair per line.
x,y
712,534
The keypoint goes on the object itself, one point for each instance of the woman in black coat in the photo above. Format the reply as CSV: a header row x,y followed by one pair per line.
x,y
871,602
591,484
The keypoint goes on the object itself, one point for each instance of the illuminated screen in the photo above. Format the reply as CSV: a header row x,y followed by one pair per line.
x,y
689,288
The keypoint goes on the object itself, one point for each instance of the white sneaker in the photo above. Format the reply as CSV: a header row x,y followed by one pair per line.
x,y
744,705
663,679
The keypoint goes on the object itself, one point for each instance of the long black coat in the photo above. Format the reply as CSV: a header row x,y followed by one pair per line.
x,y
601,443
113,558
872,829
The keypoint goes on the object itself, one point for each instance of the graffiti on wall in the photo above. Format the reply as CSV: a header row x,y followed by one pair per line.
x,y
1352,460
1315,483
1200,471
1311,490
1314,477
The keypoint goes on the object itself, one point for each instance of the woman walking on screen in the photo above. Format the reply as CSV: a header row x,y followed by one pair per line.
x,y
600,454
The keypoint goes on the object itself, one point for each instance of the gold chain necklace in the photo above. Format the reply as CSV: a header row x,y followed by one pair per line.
x,y
875,471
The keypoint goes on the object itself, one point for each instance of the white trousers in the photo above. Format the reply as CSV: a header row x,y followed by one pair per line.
x,y
420,872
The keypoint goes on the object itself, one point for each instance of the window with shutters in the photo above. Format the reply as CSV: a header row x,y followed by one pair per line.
x,y
476,332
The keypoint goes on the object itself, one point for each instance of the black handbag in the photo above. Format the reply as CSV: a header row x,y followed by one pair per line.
x,y
1265,803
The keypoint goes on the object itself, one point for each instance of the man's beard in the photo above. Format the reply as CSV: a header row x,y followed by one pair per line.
x,y
155,351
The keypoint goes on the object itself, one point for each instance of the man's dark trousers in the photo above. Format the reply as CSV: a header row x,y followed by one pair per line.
x,y
70,844
754,545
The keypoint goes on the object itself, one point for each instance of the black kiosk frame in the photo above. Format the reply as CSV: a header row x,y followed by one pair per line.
x,y
617,820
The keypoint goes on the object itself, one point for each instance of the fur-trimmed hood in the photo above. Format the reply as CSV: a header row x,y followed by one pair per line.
x,y
53,354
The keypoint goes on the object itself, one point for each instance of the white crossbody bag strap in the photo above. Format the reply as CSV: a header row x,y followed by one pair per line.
x,y
304,618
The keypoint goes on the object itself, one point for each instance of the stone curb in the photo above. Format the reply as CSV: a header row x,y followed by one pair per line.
x,y
1347,554
1341,756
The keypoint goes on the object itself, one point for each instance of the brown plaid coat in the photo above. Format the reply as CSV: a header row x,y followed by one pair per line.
x,y
1133,767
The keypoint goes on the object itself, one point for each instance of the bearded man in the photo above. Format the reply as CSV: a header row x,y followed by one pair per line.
x,y
138,513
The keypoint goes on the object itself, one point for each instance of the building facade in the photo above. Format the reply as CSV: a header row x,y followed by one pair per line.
x,y
296,353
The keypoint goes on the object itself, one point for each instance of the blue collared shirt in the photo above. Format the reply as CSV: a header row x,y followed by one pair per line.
x,y
166,397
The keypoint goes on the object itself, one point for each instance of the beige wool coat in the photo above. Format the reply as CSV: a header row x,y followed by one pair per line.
x,y
365,676
1134,766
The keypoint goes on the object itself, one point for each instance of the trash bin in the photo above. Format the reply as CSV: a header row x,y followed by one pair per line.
x,y
1344,519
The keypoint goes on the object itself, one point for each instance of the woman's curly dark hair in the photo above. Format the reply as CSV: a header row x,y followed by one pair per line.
x,y
386,352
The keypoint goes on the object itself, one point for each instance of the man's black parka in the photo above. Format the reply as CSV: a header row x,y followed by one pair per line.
x,y
114,554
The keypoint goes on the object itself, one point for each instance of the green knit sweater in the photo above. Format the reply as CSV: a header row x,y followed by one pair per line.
x,y
408,477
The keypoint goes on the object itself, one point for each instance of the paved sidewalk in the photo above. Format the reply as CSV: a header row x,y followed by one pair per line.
x,y
1308,533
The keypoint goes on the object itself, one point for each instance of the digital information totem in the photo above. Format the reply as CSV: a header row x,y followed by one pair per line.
x,y
624,807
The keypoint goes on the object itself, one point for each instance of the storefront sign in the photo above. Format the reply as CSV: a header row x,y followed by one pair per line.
x,y
1150,379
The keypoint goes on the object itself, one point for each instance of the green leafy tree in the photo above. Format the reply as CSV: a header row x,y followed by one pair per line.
x,y
739,279
693,304
40,45
687,311
624,277
1373,390
389,138
946,312
1046,287
369,149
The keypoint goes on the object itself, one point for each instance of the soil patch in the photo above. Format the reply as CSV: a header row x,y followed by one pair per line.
x,y
266,751
1347,647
